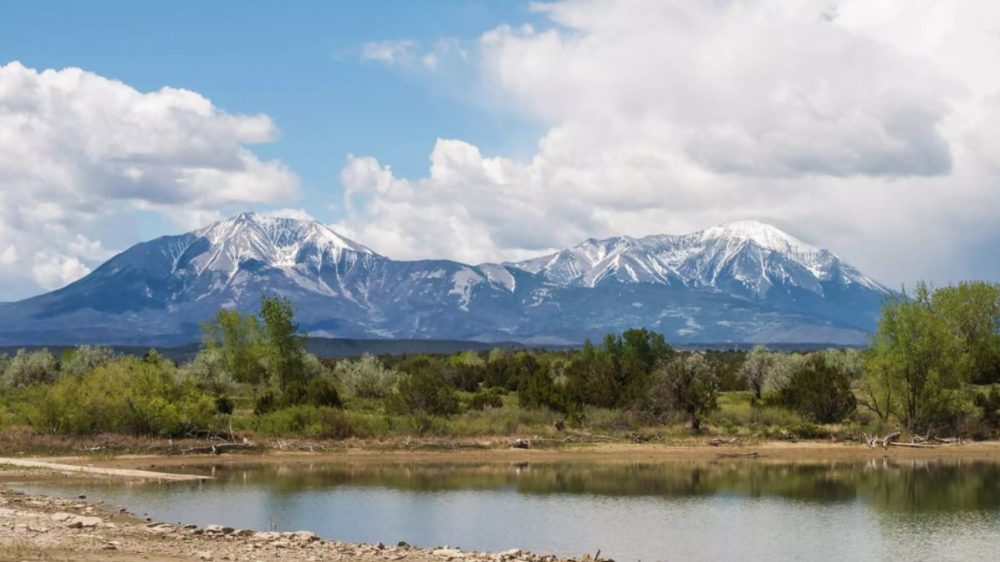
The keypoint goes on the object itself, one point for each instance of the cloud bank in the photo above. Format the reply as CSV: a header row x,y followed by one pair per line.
x,y
870,127
79,152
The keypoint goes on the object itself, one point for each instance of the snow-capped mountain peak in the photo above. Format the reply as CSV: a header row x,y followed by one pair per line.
x,y
270,240
277,232
744,281
764,235
747,257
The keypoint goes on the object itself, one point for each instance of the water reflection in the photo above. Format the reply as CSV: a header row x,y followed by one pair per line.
x,y
880,510
917,486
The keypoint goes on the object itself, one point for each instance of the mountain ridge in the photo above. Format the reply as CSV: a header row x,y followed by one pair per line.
x,y
738,282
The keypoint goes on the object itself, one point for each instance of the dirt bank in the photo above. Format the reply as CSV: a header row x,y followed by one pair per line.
x,y
811,451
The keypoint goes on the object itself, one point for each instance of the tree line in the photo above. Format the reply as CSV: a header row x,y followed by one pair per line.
x,y
931,367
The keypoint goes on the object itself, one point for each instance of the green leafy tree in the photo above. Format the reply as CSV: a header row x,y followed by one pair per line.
x,y
284,347
238,341
755,370
972,311
686,386
914,367
618,374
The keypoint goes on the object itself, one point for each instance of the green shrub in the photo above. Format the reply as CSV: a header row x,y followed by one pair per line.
x,y
366,377
483,399
28,368
86,358
686,387
819,390
305,420
125,396
266,403
224,405
423,392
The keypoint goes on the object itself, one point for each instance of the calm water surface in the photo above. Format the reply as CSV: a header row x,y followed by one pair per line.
x,y
670,511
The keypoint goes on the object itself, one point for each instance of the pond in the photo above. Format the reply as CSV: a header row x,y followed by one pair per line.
x,y
751,510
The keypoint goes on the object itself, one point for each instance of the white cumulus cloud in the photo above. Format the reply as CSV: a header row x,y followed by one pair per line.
x,y
79,152
863,126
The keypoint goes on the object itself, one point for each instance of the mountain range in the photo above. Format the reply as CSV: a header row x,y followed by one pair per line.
x,y
741,282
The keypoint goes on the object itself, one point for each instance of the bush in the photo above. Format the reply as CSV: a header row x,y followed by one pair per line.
x,y
85,359
265,403
224,405
483,399
29,368
989,408
366,377
423,392
321,391
126,396
317,391
819,390
685,386
305,420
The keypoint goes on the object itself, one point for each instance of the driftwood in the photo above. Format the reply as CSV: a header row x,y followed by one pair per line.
x,y
874,440
639,437
218,448
716,441
913,445
949,440
754,455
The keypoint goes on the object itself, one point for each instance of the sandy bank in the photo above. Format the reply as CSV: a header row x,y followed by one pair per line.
x,y
608,452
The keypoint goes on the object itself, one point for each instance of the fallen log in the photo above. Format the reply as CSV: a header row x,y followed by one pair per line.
x,y
754,454
913,445
218,448
949,440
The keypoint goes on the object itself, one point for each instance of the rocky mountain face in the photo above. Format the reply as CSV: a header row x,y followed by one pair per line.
x,y
738,282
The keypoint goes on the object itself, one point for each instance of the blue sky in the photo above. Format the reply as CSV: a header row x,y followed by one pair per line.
x,y
297,63
482,131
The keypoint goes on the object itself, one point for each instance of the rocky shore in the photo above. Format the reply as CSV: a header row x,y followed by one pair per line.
x,y
56,529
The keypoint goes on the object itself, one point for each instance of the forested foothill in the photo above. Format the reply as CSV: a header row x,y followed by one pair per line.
x,y
931,371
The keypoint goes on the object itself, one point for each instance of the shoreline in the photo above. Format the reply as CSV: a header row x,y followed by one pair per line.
x,y
765,451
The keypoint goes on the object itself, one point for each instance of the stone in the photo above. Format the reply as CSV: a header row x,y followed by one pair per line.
x,y
447,553
61,516
304,536
218,530
83,522
204,555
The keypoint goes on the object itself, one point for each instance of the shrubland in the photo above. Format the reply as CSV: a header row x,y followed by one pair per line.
x,y
931,369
